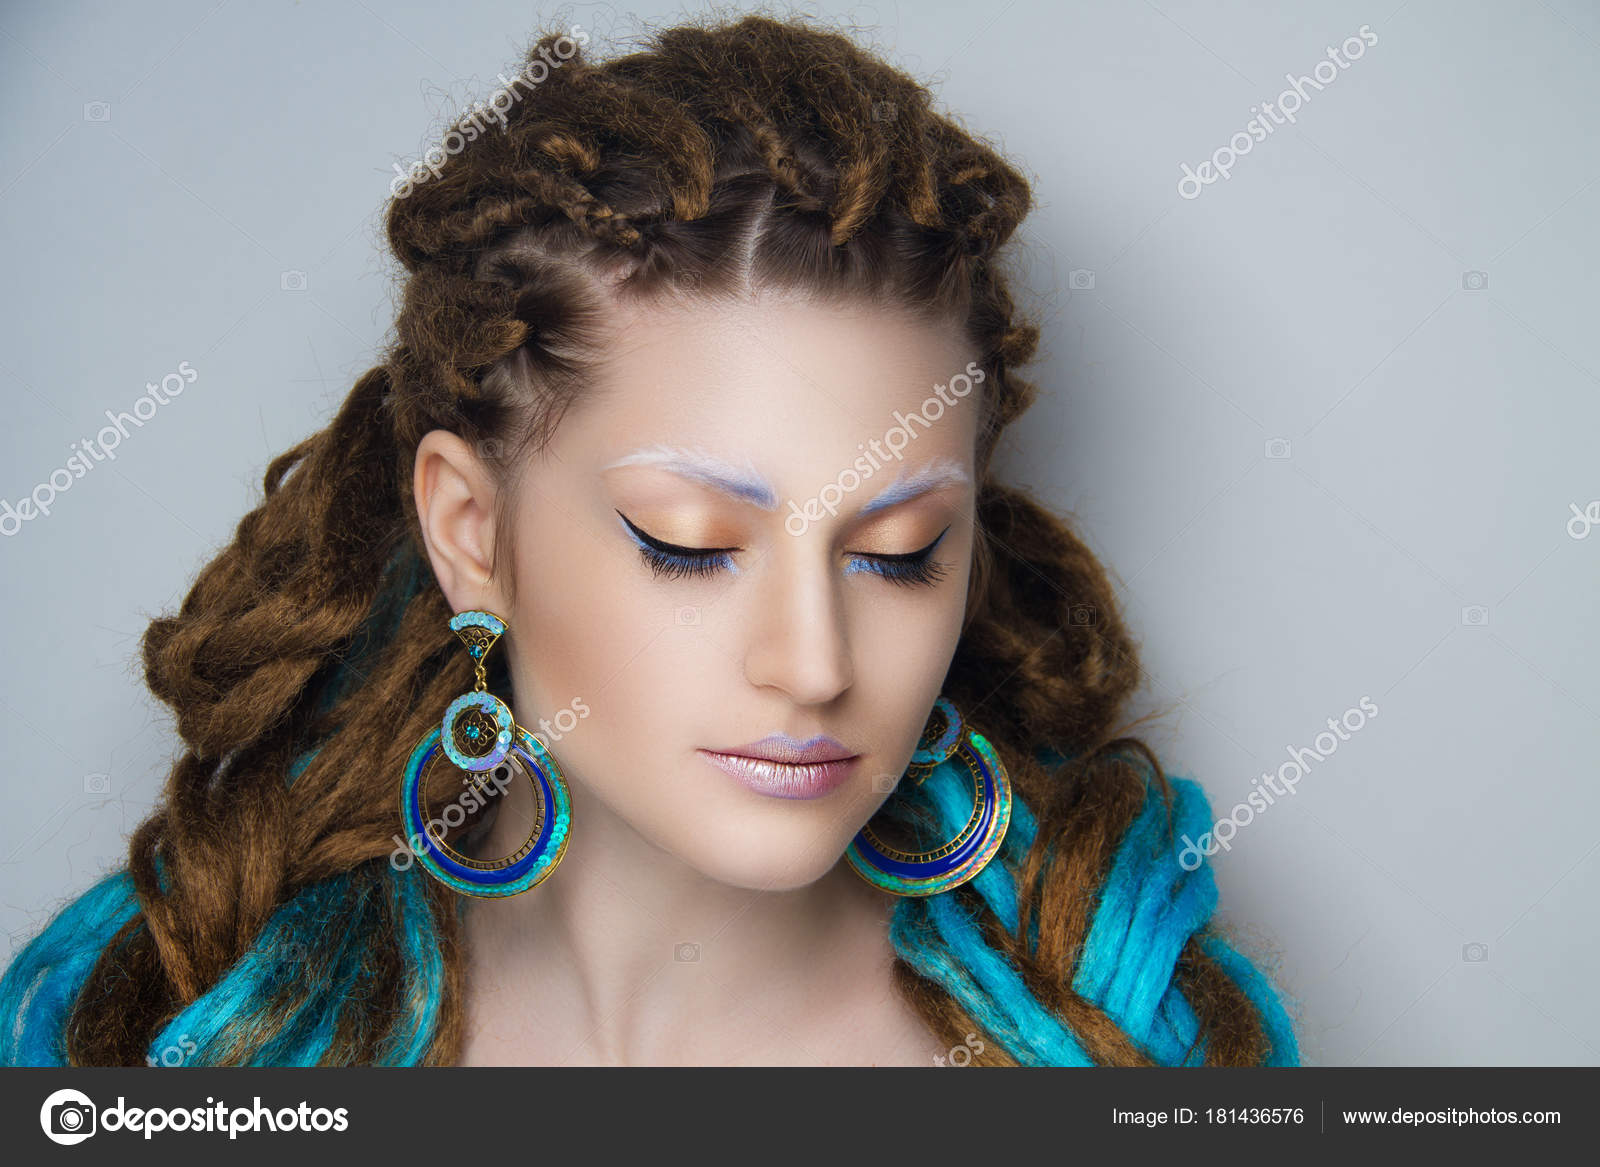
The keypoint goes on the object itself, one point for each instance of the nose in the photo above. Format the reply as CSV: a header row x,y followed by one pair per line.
x,y
800,639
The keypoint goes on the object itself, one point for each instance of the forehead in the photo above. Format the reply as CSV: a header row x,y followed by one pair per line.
x,y
754,392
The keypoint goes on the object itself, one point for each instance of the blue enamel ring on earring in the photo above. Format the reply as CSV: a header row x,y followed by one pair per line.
x,y
924,873
522,869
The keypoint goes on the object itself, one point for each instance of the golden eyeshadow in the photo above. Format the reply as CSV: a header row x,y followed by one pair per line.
x,y
899,535
683,530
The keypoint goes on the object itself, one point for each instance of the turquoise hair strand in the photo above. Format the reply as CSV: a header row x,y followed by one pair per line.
x,y
43,980
1147,911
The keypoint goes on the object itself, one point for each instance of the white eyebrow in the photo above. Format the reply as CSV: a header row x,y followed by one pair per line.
x,y
743,483
939,472
747,484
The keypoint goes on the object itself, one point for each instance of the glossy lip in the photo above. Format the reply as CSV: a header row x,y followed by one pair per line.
x,y
783,779
780,747
784,767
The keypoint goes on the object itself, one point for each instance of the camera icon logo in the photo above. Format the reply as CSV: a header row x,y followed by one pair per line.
x,y
294,952
885,783
1475,615
68,1117
1474,281
686,953
688,614
1080,279
97,784
1277,448
1475,953
97,111
292,281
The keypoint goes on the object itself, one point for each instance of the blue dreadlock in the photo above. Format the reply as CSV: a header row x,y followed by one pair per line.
x,y
1148,909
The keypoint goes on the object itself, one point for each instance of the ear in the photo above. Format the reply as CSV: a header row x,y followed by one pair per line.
x,y
455,497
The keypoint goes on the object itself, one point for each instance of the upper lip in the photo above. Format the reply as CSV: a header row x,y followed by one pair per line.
x,y
779,747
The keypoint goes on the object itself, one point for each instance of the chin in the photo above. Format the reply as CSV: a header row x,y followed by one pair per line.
x,y
761,843
769,861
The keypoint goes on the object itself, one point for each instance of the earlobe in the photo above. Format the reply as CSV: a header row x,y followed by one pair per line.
x,y
454,496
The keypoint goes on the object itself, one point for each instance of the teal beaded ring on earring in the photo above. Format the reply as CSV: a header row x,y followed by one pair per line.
x,y
926,873
478,735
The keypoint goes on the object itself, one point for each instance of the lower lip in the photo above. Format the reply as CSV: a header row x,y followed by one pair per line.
x,y
780,779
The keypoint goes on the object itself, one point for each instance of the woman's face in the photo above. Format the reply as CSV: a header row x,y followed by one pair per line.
x,y
828,601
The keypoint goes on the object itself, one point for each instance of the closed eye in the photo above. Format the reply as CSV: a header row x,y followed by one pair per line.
x,y
673,561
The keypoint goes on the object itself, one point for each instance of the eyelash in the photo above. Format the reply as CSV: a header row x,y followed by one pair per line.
x,y
913,569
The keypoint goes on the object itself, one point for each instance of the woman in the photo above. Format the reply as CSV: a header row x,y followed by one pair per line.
x,y
685,438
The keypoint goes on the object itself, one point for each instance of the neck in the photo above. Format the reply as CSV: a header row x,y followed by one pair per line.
x,y
627,955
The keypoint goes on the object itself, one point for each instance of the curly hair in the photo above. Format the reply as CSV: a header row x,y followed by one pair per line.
x,y
259,917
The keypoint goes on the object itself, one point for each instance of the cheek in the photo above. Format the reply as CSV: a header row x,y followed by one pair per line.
x,y
593,629
902,654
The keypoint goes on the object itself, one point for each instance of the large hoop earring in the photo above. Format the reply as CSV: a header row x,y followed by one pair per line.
x,y
926,873
478,735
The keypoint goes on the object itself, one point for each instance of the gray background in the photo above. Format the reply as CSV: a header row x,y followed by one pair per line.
x,y
1437,433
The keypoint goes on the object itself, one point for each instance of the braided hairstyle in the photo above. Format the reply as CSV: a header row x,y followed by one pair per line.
x,y
259,922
